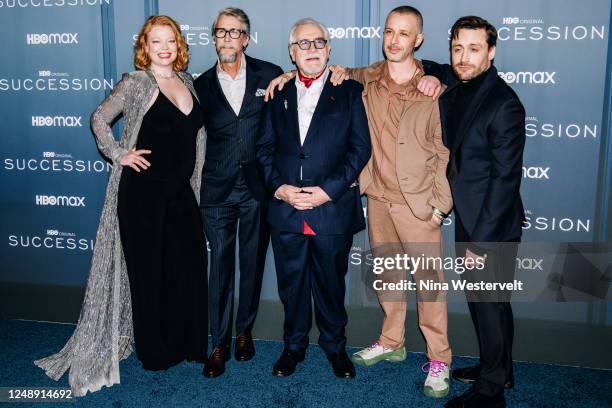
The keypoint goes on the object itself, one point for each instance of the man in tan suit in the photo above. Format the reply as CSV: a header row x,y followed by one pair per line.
x,y
408,192
407,189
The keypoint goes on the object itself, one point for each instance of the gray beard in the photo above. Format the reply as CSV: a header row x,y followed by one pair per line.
x,y
227,58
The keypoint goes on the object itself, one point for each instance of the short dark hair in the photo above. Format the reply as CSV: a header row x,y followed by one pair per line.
x,y
409,10
475,23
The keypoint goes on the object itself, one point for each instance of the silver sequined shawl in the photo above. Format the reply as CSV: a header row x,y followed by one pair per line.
x,y
103,335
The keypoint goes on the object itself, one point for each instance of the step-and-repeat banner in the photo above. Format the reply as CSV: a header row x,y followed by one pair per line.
x,y
62,57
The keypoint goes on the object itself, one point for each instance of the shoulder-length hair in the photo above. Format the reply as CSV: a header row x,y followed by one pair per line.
x,y
141,58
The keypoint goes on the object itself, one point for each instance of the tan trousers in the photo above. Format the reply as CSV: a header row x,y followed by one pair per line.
x,y
393,229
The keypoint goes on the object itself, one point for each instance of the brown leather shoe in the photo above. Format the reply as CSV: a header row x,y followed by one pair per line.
x,y
215,366
244,349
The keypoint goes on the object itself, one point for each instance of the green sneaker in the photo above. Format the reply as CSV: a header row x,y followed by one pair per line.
x,y
376,353
437,384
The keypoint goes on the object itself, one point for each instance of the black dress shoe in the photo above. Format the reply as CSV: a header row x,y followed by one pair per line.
x,y
473,399
342,365
287,362
244,350
215,366
469,375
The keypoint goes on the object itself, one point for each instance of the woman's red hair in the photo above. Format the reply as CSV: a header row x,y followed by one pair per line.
x,y
141,58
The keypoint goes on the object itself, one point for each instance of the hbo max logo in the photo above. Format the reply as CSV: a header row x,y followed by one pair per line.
x,y
354,32
530,264
60,201
57,121
536,172
525,77
54,38
510,20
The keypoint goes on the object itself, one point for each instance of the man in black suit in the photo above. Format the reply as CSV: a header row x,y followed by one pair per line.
x,y
483,125
312,145
233,190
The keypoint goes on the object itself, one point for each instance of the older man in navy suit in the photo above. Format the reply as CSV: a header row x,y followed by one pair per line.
x,y
313,143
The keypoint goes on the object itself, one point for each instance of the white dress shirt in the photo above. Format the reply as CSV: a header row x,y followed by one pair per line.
x,y
307,99
233,88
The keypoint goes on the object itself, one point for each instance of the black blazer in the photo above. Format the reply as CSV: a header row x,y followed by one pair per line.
x,y
230,142
486,180
335,150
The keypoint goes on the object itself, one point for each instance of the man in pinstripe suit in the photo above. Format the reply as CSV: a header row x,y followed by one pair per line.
x,y
232,191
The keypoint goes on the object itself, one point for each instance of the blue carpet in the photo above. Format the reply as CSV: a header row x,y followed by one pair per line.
x,y
313,384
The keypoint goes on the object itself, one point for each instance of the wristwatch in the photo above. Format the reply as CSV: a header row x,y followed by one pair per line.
x,y
437,213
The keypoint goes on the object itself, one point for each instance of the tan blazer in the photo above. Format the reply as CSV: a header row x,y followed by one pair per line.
x,y
421,157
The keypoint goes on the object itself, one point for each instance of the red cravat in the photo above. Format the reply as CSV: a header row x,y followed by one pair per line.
x,y
307,81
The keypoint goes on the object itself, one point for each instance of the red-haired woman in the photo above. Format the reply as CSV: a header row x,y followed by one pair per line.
x,y
148,273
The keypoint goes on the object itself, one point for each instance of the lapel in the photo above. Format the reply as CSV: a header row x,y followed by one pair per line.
x,y
289,105
216,85
447,100
325,103
252,79
371,74
188,81
470,114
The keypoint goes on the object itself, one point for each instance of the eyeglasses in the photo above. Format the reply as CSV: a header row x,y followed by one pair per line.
x,y
304,45
233,33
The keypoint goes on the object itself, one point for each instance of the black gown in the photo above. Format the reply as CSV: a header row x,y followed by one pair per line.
x,y
163,241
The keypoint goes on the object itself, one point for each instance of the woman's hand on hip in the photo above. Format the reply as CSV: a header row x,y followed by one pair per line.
x,y
133,158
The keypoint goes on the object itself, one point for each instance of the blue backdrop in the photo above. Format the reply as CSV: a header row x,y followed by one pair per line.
x,y
62,57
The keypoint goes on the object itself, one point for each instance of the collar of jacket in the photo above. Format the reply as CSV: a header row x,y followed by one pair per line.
x,y
374,73
184,76
251,65
491,77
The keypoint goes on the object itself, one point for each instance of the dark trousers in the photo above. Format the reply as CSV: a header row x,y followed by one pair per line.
x,y
491,312
239,214
312,267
